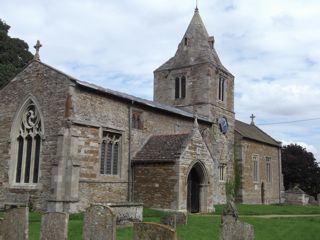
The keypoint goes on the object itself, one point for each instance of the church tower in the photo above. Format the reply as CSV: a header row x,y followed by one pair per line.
x,y
195,79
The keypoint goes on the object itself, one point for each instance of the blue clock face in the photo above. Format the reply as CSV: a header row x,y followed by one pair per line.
x,y
223,124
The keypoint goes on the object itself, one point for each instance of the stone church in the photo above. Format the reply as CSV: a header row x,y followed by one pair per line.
x,y
65,143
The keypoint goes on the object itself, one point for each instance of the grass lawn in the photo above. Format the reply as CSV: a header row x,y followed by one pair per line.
x,y
202,227
277,209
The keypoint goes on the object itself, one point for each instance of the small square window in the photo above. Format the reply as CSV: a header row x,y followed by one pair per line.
x,y
136,121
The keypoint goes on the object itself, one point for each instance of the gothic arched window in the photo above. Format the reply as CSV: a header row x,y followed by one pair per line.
x,y
27,137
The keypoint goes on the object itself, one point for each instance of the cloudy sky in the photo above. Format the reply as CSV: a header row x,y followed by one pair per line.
x,y
271,46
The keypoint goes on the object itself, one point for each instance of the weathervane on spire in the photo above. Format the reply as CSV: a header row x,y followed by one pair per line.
x,y
37,47
196,5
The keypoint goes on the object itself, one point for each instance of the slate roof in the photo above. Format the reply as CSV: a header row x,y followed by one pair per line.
x,y
162,149
251,131
198,49
130,98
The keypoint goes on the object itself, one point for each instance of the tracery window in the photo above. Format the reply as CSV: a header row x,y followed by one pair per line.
x,y
28,139
110,153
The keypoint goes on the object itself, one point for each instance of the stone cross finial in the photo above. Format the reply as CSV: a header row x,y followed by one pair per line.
x,y
252,119
37,47
195,124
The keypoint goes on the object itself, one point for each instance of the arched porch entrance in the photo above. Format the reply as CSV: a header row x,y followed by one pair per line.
x,y
197,189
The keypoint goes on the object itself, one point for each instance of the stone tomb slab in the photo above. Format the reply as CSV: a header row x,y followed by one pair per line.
x,y
54,226
15,223
152,231
99,223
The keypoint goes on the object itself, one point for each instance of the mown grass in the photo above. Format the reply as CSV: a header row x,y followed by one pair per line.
x,y
203,227
275,209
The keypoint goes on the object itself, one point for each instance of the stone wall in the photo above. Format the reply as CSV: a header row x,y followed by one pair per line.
x,y
251,190
49,89
196,152
155,185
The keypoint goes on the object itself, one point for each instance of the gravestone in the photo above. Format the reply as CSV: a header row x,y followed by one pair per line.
x,y
153,231
99,223
231,228
169,220
181,218
54,226
15,223
1,228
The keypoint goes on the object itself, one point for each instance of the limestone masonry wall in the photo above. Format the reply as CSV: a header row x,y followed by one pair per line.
x,y
50,90
251,190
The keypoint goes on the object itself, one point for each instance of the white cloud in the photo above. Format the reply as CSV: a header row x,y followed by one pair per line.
x,y
272,48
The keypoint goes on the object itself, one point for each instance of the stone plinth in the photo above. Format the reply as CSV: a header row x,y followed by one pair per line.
x,y
127,212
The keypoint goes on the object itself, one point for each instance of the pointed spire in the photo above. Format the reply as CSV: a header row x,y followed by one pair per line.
x,y
37,47
196,47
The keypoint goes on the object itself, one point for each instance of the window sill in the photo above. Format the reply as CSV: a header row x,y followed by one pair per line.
x,y
26,186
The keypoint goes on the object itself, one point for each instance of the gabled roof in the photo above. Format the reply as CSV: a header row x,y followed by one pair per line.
x,y
198,49
251,131
295,190
162,149
127,97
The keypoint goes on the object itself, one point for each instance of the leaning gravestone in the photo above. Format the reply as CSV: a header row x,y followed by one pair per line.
x,y
15,224
99,223
231,228
54,226
153,231
169,220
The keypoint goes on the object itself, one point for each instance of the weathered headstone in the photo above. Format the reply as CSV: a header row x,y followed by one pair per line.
x,y
152,231
99,223
181,218
54,226
15,223
231,228
1,228
169,220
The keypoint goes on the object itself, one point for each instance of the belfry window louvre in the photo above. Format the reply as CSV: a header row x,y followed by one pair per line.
x,y
110,153
221,88
28,145
180,87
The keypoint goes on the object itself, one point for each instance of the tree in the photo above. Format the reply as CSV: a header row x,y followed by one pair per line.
x,y
299,167
14,54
